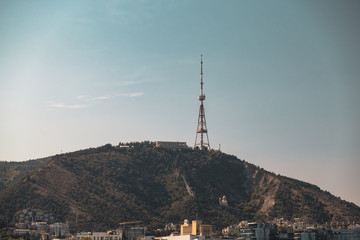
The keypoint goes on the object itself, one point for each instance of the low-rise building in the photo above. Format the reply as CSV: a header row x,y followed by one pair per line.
x,y
41,227
171,145
171,227
131,230
28,216
182,237
21,232
99,235
265,231
59,229
246,233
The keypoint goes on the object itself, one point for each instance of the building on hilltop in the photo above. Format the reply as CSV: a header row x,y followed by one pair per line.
x,y
196,228
171,145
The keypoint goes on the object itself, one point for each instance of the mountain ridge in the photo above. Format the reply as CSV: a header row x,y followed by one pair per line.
x,y
100,187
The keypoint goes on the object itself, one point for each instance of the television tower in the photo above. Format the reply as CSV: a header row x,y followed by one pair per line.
x,y
201,127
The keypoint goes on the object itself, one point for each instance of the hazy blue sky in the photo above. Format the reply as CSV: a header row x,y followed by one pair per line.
x,y
281,80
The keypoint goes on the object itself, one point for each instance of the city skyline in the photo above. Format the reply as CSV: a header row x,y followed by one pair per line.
x,y
281,80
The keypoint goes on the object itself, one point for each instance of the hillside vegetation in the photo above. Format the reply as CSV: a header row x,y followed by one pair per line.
x,y
11,172
104,186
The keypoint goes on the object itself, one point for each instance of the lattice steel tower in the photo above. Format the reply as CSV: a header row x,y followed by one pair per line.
x,y
201,127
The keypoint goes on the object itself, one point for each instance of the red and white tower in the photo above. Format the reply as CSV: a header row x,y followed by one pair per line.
x,y
201,127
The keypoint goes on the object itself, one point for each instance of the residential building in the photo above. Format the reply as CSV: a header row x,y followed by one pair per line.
x,y
196,228
265,231
27,216
59,229
21,232
41,227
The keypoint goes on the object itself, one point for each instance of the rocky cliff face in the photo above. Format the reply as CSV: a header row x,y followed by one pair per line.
x,y
104,186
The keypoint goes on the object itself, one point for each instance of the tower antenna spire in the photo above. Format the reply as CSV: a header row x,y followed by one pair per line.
x,y
201,126
201,77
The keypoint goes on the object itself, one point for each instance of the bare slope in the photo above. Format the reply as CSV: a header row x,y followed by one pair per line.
x,y
108,185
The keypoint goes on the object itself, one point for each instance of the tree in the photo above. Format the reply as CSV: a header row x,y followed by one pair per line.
x,y
218,233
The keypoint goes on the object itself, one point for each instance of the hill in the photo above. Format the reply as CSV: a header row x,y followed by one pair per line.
x,y
100,187
11,172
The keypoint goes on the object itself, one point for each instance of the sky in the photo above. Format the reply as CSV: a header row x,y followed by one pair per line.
x,y
281,80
